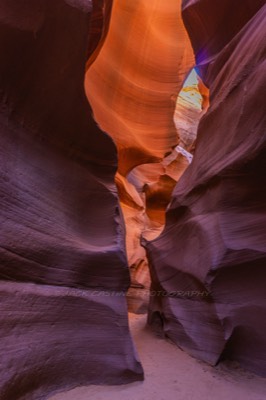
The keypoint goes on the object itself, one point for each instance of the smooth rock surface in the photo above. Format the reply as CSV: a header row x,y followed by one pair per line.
x,y
132,87
63,271
208,265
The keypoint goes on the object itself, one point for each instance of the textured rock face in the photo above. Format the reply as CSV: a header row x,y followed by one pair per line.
x,y
208,265
133,84
63,269
62,241
132,87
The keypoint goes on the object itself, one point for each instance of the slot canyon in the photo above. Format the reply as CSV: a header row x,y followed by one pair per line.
x,y
132,188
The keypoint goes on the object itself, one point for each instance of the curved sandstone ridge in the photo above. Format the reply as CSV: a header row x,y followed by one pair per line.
x,y
154,183
132,87
133,83
208,265
64,253
62,240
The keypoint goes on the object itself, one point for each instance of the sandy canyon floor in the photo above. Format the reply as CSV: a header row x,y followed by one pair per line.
x,y
171,374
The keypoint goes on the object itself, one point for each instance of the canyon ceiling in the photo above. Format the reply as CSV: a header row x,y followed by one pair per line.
x,y
109,170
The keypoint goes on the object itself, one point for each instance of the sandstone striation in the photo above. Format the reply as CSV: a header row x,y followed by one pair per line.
x,y
132,87
133,84
73,70
63,256
208,265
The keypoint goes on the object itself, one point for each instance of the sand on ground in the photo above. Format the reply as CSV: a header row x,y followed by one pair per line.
x,y
171,374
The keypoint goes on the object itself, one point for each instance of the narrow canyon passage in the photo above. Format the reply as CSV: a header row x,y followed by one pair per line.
x,y
132,199
139,101
152,185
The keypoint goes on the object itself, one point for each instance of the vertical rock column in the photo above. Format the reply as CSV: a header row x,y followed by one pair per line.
x,y
208,265
63,270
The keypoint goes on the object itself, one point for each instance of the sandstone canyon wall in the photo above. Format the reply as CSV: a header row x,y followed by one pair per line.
x,y
132,87
208,265
62,237
63,252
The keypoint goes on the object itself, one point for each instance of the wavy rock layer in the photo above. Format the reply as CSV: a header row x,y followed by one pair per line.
x,y
132,87
208,265
133,84
62,249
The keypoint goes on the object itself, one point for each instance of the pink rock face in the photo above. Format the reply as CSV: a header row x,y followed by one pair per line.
x,y
62,240
208,265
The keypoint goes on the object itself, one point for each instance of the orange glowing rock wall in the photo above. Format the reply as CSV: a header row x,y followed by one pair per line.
x,y
132,87
133,84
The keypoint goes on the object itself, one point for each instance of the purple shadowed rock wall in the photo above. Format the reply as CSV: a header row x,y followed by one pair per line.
x,y
208,265
62,247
